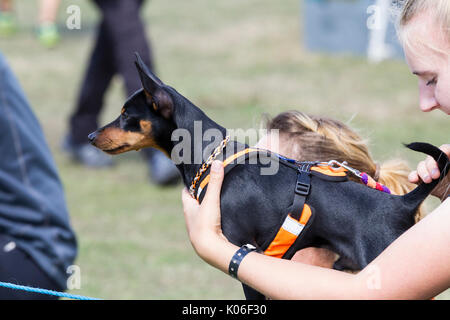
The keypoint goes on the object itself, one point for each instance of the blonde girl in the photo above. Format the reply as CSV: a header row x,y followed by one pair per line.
x,y
416,265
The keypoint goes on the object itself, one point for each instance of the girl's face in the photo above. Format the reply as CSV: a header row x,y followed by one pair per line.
x,y
278,143
431,66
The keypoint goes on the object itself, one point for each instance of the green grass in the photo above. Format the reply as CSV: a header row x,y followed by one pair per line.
x,y
236,60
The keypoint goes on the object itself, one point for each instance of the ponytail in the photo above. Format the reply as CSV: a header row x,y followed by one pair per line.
x,y
313,138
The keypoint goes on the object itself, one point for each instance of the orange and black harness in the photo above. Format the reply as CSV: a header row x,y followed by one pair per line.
x,y
301,216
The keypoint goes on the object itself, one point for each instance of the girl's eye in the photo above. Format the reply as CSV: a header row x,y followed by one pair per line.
x,y
432,81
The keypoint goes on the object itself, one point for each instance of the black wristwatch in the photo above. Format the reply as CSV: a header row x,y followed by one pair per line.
x,y
237,258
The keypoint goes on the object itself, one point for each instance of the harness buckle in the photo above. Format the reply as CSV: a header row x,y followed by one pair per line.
x,y
303,183
302,188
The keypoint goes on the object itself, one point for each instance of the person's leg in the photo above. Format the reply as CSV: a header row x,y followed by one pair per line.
x,y
124,25
48,10
5,5
84,119
48,33
8,23
128,37
98,76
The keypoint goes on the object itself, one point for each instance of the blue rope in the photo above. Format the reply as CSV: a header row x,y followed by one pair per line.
x,y
44,291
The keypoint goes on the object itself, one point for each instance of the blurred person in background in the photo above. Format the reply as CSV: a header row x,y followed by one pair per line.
x,y
120,34
48,33
416,265
47,30
37,243
7,19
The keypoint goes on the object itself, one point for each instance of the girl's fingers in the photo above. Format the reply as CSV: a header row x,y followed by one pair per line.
x,y
414,177
432,167
423,173
446,149
212,196
428,170
189,203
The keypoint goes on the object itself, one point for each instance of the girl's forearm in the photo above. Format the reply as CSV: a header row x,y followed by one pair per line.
x,y
279,278
284,279
415,266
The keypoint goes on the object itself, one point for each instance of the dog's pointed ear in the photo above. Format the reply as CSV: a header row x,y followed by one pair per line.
x,y
157,96
149,81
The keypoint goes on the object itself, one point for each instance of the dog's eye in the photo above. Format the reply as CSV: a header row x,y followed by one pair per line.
x,y
125,116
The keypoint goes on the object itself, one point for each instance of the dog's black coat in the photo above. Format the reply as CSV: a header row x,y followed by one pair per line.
x,y
351,219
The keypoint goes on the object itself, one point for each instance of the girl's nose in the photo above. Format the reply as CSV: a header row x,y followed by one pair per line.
x,y
427,99
428,104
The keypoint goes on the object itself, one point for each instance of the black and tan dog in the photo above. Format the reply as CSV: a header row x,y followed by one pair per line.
x,y
349,218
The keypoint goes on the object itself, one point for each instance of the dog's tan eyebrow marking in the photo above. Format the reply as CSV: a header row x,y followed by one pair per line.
x,y
123,110
146,126
148,95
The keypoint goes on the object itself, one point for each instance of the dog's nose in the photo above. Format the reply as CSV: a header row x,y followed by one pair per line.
x,y
92,137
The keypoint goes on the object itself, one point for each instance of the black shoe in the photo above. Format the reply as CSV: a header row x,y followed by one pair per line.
x,y
87,154
162,170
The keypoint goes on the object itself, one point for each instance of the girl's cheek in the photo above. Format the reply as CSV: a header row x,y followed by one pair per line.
x,y
443,96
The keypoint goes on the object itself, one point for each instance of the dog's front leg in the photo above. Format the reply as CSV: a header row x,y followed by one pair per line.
x,y
252,294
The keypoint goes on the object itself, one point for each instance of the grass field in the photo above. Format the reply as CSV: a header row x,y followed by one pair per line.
x,y
236,60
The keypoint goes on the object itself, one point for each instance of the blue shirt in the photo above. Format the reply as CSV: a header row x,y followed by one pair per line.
x,y
33,210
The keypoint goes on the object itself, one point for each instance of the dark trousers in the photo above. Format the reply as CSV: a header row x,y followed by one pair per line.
x,y
19,268
120,34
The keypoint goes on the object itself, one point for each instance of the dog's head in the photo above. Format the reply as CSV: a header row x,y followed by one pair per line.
x,y
144,121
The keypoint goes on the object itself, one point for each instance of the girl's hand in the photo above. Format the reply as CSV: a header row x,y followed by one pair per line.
x,y
203,221
428,171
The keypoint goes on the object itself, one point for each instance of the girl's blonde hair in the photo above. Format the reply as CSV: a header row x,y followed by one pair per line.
x,y
440,15
314,138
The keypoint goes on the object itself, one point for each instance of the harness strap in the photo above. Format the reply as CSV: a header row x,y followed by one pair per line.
x,y
287,236
331,172
226,162
288,233
302,188
299,216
